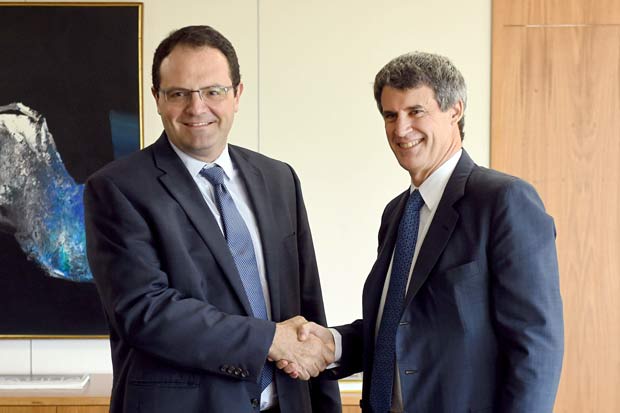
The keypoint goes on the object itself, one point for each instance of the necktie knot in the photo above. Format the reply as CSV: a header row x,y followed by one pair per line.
x,y
213,174
415,202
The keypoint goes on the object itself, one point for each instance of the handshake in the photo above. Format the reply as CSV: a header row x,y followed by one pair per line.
x,y
302,349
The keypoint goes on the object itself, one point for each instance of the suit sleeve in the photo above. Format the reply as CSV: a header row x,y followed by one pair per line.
x,y
352,358
145,310
526,300
325,395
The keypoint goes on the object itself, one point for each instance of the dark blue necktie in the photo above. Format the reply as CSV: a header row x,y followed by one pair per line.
x,y
240,244
382,379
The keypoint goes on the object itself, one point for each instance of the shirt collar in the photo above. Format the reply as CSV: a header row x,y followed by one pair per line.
x,y
432,188
194,166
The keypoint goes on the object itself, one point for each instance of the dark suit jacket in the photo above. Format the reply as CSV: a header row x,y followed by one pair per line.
x,y
482,327
181,337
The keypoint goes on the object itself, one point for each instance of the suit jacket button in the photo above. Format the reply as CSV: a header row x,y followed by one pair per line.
x,y
255,403
230,370
223,368
237,371
245,373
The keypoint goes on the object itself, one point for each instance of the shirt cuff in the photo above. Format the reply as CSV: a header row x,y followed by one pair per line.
x,y
338,348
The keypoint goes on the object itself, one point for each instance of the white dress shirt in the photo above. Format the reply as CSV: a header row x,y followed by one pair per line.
x,y
236,188
431,191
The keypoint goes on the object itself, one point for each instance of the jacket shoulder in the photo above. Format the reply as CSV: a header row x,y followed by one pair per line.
x,y
129,168
258,159
485,182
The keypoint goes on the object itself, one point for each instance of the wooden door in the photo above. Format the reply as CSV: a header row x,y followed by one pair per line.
x,y
555,121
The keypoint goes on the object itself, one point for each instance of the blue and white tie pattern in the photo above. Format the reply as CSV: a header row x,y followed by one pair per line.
x,y
382,379
240,244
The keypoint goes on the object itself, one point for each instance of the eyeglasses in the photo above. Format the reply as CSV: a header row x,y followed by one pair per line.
x,y
206,94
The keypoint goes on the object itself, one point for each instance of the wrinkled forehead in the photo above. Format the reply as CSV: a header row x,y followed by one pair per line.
x,y
394,99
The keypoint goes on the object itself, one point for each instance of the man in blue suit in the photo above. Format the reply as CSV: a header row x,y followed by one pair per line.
x,y
202,255
461,310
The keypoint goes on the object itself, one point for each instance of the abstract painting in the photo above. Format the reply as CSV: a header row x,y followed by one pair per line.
x,y
70,102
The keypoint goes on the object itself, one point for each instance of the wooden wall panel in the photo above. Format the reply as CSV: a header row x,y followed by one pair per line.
x,y
556,123
557,12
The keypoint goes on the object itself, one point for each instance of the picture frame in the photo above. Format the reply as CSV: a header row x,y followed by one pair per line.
x,y
70,102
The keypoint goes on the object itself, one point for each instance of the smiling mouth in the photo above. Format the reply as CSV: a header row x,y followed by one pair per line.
x,y
197,124
407,145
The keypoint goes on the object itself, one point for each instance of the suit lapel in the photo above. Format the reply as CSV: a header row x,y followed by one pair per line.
x,y
441,228
183,189
263,211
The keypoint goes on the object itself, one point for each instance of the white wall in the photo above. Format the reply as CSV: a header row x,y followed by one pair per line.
x,y
308,68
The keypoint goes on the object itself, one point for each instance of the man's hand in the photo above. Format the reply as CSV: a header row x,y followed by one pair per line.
x,y
308,332
302,358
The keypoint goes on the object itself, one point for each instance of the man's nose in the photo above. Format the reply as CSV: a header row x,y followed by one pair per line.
x,y
403,126
196,104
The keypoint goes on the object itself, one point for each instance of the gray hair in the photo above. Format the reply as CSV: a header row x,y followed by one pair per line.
x,y
416,69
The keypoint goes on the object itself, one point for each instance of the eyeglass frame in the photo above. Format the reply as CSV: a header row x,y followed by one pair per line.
x,y
201,93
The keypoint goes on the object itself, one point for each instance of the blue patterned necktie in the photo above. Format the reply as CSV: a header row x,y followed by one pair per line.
x,y
240,244
382,379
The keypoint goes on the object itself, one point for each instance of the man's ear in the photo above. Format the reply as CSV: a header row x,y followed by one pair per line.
x,y
238,95
457,112
155,94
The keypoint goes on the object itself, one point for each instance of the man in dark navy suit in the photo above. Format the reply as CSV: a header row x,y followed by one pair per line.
x,y
202,255
461,310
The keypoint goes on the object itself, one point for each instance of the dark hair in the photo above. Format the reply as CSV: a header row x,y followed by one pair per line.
x,y
415,69
196,36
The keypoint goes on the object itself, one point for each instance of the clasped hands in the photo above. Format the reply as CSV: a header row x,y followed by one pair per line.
x,y
302,349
